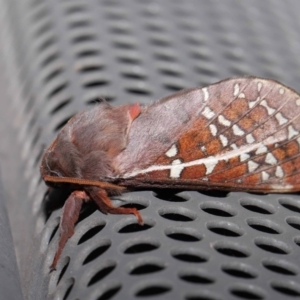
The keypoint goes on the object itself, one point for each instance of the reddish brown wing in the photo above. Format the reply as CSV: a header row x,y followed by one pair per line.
x,y
240,133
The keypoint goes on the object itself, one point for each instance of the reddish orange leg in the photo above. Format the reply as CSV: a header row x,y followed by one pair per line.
x,y
68,219
104,203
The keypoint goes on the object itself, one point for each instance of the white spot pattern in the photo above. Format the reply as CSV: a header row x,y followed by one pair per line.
x,y
223,140
259,86
176,168
236,89
237,130
252,166
270,110
252,103
210,165
265,176
279,172
206,94
222,120
280,118
281,91
172,151
244,156
292,132
213,129
249,138
208,113
298,102
270,159
209,162
261,149
242,95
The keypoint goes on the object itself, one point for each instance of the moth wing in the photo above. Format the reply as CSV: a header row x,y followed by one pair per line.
x,y
240,133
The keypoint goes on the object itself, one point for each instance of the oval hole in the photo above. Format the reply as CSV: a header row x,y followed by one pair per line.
x,y
240,273
218,209
195,277
110,293
183,234
264,225
90,233
138,91
101,274
96,253
153,290
272,245
63,271
290,204
177,214
291,290
232,249
140,248
225,228
146,269
167,196
60,106
134,228
189,255
294,222
246,294
280,268
257,206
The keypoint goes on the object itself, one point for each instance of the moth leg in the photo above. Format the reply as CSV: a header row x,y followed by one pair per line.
x,y
70,214
104,203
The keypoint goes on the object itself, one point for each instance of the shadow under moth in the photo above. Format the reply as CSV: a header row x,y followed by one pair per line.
x,y
240,134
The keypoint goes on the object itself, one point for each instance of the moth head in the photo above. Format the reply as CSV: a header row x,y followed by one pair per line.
x,y
87,144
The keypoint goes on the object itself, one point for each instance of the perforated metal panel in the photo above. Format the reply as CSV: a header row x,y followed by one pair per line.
x,y
58,58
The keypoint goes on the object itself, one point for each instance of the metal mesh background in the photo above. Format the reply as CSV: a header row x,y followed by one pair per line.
x,y
59,57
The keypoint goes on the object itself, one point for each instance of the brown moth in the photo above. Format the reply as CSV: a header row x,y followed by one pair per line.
x,y
240,134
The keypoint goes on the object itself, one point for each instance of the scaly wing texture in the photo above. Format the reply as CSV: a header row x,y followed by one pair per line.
x,y
240,133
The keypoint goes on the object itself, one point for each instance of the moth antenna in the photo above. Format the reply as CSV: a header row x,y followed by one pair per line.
x,y
80,181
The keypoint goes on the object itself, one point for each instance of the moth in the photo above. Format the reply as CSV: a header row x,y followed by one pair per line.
x,y
240,134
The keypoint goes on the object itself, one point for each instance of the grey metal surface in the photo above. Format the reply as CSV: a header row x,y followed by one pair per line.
x,y
10,285
58,58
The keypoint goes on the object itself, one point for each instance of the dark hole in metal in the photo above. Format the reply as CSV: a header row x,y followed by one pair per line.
x,y
134,228
146,269
232,252
140,248
246,295
153,291
183,237
100,275
110,293
90,233
190,258
272,249
264,229
196,279
176,217
256,209
96,253
63,271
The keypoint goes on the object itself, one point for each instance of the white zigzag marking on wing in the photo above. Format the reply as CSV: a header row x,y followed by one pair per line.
x,y
207,161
